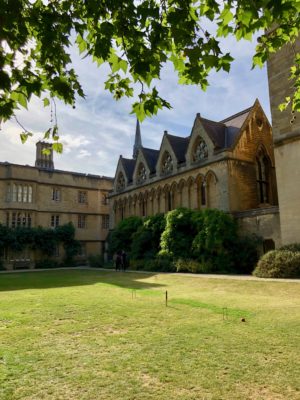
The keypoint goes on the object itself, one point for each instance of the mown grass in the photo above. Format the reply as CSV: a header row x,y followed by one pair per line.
x,y
104,335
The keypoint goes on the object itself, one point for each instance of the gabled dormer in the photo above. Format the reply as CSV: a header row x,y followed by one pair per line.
x,y
254,131
123,175
206,137
141,170
167,162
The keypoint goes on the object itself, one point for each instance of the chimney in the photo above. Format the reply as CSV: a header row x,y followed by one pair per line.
x,y
44,160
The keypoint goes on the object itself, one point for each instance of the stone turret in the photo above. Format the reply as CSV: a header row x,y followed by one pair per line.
x,y
44,160
138,140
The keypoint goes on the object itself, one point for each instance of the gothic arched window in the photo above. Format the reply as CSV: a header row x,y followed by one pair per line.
x,y
263,177
120,182
167,163
141,174
203,193
200,151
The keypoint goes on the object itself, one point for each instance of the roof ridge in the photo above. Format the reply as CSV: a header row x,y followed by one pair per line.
x,y
128,159
237,114
210,120
149,148
176,136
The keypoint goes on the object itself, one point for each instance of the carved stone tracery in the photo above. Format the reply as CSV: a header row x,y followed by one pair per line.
x,y
200,150
167,164
141,174
120,182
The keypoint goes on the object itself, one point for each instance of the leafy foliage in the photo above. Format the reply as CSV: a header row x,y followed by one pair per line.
x,y
294,247
46,264
186,240
190,265
146,240
279,264
178,236
96,261
215,234
41,239
134,39
121,237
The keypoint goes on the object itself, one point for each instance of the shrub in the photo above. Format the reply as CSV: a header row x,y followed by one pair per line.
x,y
192,266
245,254
146,240
137,265
213,245
47,263
96,261
177,238
278,264
109,264
161,263
121,237
294,247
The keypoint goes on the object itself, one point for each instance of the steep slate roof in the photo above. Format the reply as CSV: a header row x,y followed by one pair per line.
x,y
215,130
179,146
151,157
234,124
222,133
128,165
238,119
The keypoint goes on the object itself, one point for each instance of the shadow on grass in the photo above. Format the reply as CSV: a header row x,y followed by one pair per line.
x,y
68,278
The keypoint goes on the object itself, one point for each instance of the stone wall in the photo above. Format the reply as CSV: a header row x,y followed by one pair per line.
x,y
286,133
80,199
263,222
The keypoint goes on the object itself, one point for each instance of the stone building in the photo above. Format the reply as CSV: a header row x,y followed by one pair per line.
x,y
227,165
286,134
47,197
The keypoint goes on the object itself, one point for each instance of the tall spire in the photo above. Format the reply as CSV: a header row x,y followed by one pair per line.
x,y
138,140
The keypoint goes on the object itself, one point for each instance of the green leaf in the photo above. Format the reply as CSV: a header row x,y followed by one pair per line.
x,y
58,147
47,134
138,110
22,100
24,136
54,131
226,16
46,102
47,152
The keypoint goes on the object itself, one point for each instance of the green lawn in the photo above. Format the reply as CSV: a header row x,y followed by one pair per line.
x,y
85,335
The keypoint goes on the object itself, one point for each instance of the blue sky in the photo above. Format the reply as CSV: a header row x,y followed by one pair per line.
x,y
100,129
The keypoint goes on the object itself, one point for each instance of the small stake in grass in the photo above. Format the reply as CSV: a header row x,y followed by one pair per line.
x,y
133,294
225,313
166,298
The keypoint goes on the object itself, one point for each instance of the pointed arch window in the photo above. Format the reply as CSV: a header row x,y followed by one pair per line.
x,y
167,163
200,151
141,174
263,176
203,193
120,182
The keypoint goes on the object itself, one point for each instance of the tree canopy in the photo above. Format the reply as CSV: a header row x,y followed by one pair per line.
x,y
135,38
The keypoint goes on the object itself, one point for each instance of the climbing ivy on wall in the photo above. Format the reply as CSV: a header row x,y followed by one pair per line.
x,y
41,239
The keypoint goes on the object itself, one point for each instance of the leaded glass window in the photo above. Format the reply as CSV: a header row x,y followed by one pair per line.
x,y
167,163
200,150
262,177
141,174
121,182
